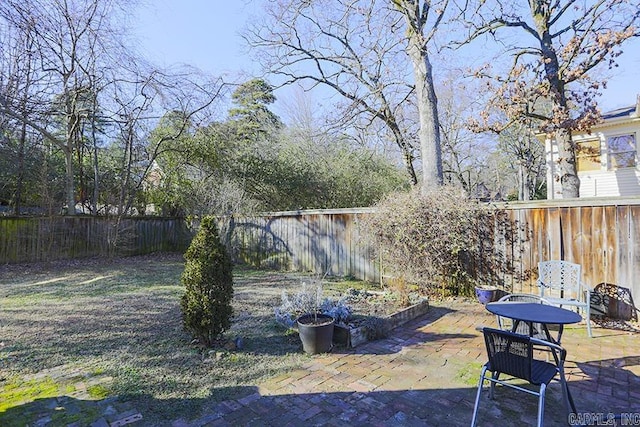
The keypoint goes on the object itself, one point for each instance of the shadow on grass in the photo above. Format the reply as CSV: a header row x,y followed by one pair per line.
x,y
139,410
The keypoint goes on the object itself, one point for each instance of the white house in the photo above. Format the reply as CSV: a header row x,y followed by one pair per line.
x,y
607,157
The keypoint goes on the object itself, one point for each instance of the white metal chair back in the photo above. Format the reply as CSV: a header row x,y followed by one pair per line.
x,y
561,284
560,279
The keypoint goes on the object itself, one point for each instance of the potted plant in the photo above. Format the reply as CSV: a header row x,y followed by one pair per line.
x,y
487,294
312,315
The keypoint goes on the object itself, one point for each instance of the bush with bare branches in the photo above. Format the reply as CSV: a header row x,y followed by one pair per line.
x,y
436,240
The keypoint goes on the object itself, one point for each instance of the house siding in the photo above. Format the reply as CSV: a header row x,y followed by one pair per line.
x,y
605,182
622,182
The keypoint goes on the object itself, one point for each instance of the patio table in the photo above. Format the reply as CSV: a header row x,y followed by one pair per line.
x,y
535,313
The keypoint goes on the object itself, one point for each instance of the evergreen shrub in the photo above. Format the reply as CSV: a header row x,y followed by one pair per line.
x,y
208,281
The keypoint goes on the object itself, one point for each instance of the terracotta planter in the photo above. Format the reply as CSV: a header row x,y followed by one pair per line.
x,y
316,333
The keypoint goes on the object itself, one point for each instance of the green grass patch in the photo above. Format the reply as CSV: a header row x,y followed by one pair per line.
x,y
469,374
16,391
98,391
86,416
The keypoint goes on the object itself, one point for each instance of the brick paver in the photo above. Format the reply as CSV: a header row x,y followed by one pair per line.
x,y
426,374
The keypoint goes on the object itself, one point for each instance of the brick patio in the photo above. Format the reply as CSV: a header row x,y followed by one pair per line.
x,y
426,374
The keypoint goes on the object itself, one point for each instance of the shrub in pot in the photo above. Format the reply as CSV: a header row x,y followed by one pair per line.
x,y
313,316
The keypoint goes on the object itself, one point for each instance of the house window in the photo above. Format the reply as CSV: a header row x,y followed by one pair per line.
x,y
621,151
588,155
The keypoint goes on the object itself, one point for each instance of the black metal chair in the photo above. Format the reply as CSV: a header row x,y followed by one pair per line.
x,y
536,330
513,354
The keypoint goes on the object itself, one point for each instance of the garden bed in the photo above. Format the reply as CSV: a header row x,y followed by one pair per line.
x,y
362,311
366,328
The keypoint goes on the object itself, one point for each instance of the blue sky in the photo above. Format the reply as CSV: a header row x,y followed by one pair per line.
x,y
205,33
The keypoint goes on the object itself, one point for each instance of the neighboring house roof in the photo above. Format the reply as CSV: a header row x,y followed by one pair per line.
x,y
620,115
609,118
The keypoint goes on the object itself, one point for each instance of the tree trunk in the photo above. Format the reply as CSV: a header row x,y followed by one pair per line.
x,y
429,132
70,192
20,170
407,160
69,183
96,170
541,12
429,124
567,164
523,193
407,156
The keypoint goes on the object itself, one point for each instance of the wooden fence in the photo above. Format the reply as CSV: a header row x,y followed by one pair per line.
x,y
601,235
324,241
28,239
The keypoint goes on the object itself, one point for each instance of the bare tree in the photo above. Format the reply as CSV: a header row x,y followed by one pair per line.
x,y
525,155
91,88
17,78
464,153
66,38
511,160
422,20
358,48
138,105
555,46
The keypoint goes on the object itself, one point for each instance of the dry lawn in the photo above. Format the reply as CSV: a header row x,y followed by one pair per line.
x,y
120,321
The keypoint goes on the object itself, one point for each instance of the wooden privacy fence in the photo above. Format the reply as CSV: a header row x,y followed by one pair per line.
x,y
323,241
28,239
601,235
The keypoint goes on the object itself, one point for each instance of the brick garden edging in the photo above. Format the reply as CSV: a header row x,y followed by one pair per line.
x,y
352,337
